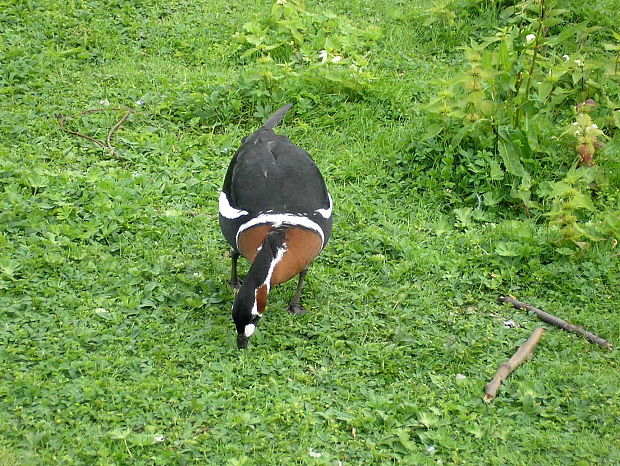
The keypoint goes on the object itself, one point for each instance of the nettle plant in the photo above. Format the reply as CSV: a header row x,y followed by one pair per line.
x,y
320,48
586,135
501,118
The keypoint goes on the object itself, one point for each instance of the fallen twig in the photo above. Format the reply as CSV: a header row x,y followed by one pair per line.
x,y
113,130
564,325
508,367
61,122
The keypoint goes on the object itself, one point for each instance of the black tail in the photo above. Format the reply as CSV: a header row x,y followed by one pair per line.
x,y
276,118
271,122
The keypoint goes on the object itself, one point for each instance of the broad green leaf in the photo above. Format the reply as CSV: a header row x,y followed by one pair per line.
x,y
583,175
432,131
581,232
612,220
560,189
403,437
476,97
508,249
487,107
544,89
550,22
531,130
510,156
580,201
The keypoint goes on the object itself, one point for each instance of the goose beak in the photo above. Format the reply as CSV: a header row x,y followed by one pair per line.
x,y
242,341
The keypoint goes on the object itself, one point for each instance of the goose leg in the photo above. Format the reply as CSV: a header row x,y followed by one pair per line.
x,y
234,278
295,306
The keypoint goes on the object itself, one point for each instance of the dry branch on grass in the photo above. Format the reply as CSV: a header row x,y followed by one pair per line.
x,y
551,319
508,367
113,130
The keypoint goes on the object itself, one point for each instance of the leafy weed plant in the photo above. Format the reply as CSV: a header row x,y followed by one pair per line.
x,y
500,116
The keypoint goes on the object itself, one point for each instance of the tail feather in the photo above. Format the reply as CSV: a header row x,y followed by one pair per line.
x,y
271,122
277,117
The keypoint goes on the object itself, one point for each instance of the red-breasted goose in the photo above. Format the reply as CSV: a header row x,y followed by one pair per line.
x,y
276,212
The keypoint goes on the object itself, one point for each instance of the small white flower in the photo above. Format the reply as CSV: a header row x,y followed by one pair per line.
x,y
159,438
314,454
594,126
575,123
460,377
139,102
431,449
104,102
530,37
323,56
578,63
566,58
336,59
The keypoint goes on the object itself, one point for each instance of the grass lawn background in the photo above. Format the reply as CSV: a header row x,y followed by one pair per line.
x,y
116,342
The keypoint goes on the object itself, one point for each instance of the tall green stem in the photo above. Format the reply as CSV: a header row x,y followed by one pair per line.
x,y
528,85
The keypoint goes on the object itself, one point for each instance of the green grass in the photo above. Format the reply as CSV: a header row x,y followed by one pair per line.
x,y
116,342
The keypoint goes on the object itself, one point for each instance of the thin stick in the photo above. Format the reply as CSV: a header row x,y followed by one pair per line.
x,y
61,122
113,130
508,367
564,325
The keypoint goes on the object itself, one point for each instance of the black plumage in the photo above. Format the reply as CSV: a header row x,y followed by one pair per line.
x,y
270,174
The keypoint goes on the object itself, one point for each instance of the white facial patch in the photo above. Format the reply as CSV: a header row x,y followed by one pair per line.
x,y
326,213
278,219
228,211
249,330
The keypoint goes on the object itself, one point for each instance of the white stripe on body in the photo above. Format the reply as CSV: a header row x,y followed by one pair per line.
x,y
228,211
326,213
277,220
